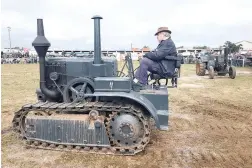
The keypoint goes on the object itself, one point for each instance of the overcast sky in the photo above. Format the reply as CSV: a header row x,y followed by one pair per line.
x,y
68,23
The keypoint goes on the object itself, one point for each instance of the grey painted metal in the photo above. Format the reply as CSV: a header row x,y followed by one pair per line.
x,y
226,52
112,84
100,70
142,100
40,40
97,40
85,104
41,45
66,131
163,118
219,63
70,68
126,128
159,98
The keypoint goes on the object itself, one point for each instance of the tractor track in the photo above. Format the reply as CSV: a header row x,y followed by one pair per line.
x,y
49,108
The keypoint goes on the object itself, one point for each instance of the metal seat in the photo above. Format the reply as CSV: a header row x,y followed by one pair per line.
x,y
174,76
157,78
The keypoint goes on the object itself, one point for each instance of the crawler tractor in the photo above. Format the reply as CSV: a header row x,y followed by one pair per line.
x,y
84,106
215,65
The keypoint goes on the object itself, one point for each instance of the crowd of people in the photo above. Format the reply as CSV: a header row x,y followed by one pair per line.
x,y
18,58
26,58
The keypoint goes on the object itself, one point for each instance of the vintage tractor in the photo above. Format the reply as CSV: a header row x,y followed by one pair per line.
x,y
214,64
84,106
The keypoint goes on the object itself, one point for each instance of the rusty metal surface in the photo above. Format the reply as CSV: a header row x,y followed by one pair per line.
x,y
82,117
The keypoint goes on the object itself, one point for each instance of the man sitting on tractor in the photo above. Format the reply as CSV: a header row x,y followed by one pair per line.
x,y
154,61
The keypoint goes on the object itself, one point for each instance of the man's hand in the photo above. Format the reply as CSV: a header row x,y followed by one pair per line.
x,y
140,56
164,49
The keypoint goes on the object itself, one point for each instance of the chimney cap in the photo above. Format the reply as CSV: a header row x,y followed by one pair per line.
x,y
40,40
96,17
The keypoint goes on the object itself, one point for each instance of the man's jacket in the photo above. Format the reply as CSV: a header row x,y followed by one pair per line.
x,y
165,48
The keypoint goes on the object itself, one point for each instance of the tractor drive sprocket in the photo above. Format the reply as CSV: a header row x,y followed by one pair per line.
x,y
109,110
128,127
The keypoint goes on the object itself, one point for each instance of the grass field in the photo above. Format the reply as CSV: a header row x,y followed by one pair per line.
x,y
210,125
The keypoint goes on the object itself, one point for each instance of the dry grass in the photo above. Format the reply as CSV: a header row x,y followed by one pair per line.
x,y
210,125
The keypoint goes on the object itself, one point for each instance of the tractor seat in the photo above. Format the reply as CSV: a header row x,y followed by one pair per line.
x,y
156,76
175,64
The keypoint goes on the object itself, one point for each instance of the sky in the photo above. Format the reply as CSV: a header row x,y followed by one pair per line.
x,y
68,23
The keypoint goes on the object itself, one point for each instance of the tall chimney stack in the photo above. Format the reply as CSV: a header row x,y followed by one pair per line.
x,y
41,45
97,39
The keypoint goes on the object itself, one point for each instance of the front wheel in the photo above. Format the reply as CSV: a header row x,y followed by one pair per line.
x,y
211,72
232,72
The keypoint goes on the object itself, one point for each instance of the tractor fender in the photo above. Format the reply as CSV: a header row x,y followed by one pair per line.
x,y
138,98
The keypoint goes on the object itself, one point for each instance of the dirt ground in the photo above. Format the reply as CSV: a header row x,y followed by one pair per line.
x,y
210,125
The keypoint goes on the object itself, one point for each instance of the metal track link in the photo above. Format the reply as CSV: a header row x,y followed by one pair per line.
x,y
110,109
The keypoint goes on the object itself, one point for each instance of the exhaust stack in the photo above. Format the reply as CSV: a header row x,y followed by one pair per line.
x,y
226,52
97,40
41,45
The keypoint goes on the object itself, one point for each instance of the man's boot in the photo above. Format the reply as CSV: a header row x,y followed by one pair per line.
x,y
139,85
